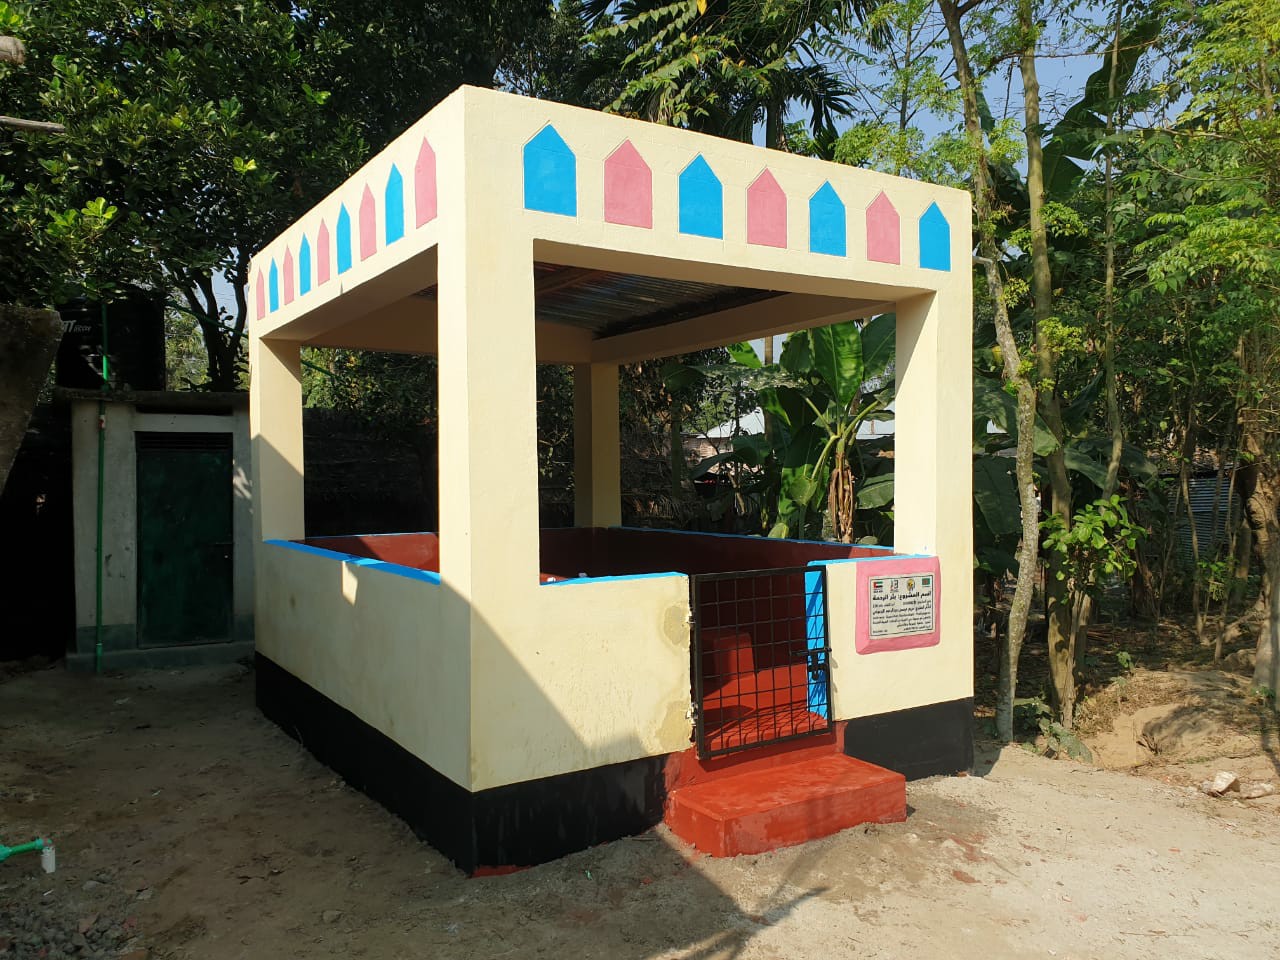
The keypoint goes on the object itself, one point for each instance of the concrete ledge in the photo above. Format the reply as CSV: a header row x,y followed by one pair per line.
x,y
163,658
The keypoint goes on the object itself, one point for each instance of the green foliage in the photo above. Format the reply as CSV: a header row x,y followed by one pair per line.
x,y
724,67
1033,714
827,383
1101,541
204,127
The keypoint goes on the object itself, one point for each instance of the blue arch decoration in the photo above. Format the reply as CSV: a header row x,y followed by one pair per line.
x,y
827,231
701,200
304,267
344,239
393,201
550,174
273,287
935,240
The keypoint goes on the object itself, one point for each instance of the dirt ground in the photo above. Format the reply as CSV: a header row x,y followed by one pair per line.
x,y
187,827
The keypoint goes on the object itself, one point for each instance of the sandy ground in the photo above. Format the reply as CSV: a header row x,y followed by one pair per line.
x,y
187,826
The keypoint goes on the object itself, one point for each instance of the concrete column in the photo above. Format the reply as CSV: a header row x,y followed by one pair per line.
x,y
488,420
597,446
934,423
275,429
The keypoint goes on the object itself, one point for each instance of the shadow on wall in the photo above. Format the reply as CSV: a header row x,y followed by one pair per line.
x,y
516,824
38,596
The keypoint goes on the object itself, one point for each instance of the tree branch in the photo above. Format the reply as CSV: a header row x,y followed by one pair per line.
x,y
12,50
31,126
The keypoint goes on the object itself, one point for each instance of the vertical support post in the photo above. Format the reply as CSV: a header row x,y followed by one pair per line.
x,y
933,410
102,456
275,428
597,467
488,421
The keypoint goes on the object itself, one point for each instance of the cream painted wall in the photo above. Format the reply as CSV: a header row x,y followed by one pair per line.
x,y
597,446
370,641
275,431
585,674
863,685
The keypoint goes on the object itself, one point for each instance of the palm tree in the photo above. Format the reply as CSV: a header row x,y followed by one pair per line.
x,y
727,66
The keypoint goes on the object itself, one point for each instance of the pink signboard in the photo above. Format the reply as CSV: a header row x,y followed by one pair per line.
x,y
899,604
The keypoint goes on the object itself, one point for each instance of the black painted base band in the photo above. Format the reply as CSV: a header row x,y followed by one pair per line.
x,y
936,739
520,824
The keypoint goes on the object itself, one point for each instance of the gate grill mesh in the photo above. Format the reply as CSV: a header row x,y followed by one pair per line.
x,y
760,658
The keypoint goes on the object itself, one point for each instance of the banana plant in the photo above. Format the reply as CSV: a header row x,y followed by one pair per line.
x,y
815,474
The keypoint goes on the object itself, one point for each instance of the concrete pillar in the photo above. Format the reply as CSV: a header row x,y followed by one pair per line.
x,y
933,413
597,446
488,420
275,429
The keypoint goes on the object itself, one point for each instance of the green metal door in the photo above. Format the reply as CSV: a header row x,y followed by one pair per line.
x,y
184,538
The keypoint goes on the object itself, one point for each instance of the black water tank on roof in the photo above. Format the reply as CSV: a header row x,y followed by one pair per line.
x,y
135,343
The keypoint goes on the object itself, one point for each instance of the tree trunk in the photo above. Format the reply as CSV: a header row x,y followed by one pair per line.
x,y
28,341
1184,485
1109,285
1266,672
1243,554
1024,463
1059,599
1264,510
1260,492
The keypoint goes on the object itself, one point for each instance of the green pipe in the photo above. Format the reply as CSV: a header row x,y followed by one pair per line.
x,y
38,844
102,454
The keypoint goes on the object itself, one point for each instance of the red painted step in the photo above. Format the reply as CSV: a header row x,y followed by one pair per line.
x,y
765,809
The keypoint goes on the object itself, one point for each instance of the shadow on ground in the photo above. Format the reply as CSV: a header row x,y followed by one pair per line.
x,y
183,815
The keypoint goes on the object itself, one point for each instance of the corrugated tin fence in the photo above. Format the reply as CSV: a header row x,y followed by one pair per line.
x,y
1215,509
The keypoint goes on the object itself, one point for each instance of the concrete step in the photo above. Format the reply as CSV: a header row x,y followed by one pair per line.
x,y
763,810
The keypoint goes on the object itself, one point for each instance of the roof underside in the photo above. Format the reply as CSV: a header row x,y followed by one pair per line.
x,y
608,303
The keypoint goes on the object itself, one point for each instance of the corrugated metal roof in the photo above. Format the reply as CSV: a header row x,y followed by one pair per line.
x,y
608,303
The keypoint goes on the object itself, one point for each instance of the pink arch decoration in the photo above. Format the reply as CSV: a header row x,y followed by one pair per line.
x,y
766,212
368,225
884,231
322,254
288,275
628,188
260,296
424,185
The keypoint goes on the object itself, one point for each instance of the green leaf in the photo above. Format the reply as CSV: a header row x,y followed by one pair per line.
x,y
875,492
1078,459
995,491
677,376
802,489
992,404
745,354
837,356
797,355
703,467
879,338
788,405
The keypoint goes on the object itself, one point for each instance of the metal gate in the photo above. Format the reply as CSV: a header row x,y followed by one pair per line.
x,y
761,671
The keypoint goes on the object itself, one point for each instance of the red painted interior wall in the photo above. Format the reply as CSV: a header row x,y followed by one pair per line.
x,y
601,552
615,551
418,550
